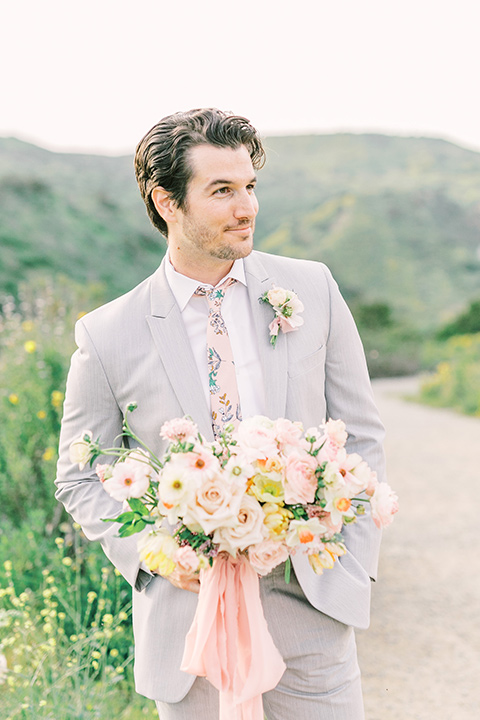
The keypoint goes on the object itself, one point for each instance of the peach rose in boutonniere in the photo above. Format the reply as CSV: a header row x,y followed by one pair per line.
x,y
287,308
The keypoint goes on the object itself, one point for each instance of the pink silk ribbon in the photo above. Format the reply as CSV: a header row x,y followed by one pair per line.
x,y
229,642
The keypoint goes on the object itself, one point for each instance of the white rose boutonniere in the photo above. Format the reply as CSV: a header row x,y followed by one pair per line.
x,y
287,308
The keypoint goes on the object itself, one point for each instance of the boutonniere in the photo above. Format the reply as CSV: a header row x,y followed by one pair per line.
x,y
287,308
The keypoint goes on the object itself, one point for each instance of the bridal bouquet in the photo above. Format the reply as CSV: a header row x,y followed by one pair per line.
x,y
232,510
264,491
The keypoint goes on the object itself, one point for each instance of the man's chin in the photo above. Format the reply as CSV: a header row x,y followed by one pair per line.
x,y
236,253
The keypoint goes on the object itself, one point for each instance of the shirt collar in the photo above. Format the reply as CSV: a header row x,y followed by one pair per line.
x,y
183,287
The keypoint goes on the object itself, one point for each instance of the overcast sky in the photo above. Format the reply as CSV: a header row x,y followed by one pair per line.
x,y
95,75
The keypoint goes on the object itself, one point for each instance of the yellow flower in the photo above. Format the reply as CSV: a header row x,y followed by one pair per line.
x,y
268,489
30,346
277,518
49,454
57,398
27,326
41,414
13,398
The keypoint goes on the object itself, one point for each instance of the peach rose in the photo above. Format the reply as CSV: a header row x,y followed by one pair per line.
x,y
248,529
266,555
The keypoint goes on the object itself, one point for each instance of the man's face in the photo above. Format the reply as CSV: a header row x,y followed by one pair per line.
x,y
218,220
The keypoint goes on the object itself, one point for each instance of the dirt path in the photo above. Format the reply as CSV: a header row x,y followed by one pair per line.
x,y
421,656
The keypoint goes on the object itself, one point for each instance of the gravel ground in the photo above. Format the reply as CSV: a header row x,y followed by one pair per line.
x,y
421,656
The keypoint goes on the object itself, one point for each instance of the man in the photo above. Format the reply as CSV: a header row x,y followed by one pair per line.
x,y
197,175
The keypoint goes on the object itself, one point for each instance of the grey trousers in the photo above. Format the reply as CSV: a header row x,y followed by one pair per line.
x,y
322,679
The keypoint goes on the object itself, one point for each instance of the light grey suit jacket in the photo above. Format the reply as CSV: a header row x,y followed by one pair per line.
x,y
136,349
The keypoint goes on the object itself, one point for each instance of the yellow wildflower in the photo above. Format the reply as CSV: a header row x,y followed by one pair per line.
x,y
30,346
57,398
41,414
13,398
27,326
49,454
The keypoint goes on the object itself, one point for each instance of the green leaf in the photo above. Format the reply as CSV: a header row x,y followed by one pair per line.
x,y
288,569
135,527
138,506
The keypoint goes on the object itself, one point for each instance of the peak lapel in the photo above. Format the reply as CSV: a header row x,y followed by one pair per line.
x,y
274,360
173,346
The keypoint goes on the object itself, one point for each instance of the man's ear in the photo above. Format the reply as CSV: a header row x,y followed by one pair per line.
x,y
164,204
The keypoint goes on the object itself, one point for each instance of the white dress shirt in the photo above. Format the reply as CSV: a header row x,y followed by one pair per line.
x,y
238,317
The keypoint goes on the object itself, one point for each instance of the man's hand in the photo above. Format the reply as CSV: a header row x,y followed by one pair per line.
x,y
185,579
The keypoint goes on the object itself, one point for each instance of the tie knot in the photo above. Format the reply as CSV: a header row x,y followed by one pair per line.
x,y
215,295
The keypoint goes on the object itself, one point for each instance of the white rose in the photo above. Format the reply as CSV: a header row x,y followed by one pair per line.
x,y
248,529
277,296
267,555
213,506
79,450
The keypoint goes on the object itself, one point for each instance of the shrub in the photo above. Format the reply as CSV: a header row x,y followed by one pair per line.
x,y
36,342
67,641
456,381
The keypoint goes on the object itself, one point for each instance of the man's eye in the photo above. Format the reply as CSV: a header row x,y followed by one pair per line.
x,y
251,187
222,191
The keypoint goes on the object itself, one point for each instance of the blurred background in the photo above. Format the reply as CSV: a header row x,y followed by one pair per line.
x,y
369,115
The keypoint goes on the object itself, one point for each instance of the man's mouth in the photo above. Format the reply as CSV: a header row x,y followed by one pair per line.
x,y
242,228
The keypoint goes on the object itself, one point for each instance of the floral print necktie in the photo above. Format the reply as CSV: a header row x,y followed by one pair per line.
x,y
222,381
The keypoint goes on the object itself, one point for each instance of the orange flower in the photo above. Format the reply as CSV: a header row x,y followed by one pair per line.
x,y
343,504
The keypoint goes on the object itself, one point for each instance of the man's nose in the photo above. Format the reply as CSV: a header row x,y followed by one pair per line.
x,y
246,205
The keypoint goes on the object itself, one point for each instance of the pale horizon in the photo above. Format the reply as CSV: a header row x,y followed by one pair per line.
x,y
94,78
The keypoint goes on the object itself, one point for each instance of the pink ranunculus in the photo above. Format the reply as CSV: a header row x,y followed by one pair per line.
x,y
256,439
372,483
266,555
336,432
384,504
248,529
102,470
187,558
126,482
288,433
179,430
300,478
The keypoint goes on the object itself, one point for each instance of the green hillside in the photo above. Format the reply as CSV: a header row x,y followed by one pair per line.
x,y
396,219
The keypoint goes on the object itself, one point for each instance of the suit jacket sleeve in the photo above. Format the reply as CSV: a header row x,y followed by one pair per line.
x,y
349,396
90,405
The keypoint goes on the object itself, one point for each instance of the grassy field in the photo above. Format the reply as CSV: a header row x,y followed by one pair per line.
x,y
66,645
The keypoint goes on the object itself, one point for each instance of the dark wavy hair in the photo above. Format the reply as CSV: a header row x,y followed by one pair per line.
x,y
162,156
